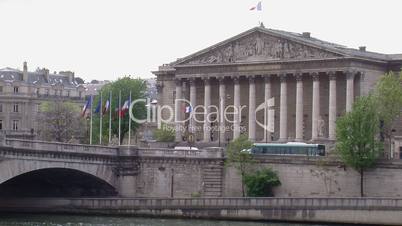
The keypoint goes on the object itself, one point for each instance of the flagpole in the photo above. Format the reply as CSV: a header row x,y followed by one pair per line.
x,y
129,121
90,124
119,116
100,120
110,116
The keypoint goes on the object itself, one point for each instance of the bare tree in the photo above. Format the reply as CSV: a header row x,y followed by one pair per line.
x,y
60,121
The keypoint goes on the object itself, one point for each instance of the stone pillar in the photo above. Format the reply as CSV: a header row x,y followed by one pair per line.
x,y
236,104
299,107
316,107
207,104
267,96
251,110
178,110
332,106
222,98
193,98
350,76
283,121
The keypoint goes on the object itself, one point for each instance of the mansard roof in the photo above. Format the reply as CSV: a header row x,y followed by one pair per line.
x,y
35,78
314,47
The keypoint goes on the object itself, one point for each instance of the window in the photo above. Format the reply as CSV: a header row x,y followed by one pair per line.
x,y
1,89
174,96
37,91
1,124
15,124
68,93
15,108
16,89
1,107
80,94
47,92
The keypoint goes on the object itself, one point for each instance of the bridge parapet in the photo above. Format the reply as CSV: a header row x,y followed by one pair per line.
x,y
61,147
164,152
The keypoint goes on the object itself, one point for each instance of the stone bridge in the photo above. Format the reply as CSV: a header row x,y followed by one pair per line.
x,y
38,168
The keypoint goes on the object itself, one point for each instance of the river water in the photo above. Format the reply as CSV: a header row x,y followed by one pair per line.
x,y
77,220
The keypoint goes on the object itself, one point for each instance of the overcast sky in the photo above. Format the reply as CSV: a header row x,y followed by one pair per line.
x,y
105,39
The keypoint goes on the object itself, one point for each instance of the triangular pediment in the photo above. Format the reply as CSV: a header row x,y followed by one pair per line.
x,y
259,45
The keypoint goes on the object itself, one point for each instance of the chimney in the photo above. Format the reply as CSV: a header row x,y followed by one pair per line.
x,y
25,72
306,34
362,48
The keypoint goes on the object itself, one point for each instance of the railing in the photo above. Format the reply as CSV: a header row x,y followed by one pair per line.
x,y
241,203
163,152
62,147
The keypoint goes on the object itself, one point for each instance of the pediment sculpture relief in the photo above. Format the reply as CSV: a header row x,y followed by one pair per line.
x,y
259,47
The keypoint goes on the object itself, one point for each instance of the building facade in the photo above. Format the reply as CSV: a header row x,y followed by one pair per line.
x,y
22,92
309,83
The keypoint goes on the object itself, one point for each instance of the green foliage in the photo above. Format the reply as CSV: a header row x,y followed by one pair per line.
x,y
260,183
388,94
239,156
60,121
125,85
164,134
357,135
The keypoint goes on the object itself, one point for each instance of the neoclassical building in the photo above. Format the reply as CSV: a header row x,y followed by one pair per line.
x,y
311,82
22,92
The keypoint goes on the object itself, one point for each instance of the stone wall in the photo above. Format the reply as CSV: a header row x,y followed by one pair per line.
x,y
301,177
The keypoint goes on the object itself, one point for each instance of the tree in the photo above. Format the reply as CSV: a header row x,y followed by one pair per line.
x,y
79,80
260,183
165,134
388,93
124,85
357,136
60,121
239,157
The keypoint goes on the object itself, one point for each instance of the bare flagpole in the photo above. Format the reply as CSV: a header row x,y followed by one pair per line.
x,y
90,124
129,121
110,117
100,120
119,117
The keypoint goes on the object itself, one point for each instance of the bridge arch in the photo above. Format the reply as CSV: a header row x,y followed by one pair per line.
x,y
17,169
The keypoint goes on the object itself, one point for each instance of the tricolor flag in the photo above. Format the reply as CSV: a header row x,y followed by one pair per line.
x,y
188,109
86,106
125,107
258,7
106,108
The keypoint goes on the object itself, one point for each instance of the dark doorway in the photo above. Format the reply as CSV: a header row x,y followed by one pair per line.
x,y
56,182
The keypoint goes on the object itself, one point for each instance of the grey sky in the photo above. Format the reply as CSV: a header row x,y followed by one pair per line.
x,y
101,39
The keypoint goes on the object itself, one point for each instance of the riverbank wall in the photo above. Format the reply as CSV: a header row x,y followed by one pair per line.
x,y
376,211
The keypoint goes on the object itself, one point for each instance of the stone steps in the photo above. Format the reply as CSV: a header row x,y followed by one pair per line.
x,y
212,178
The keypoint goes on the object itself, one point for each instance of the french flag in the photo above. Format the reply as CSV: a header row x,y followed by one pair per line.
x,y
106,108
125,107
86,106
258,7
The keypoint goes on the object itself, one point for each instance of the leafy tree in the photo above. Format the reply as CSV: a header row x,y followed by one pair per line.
x,y
124,85
79,80
165,134
60,121
239,157
388,93
357,136
260,183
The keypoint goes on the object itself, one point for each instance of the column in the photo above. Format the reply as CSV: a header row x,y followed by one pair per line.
x,y
332,106
178,110
349,90
222,98
267,96
316,107
251,109
299,107
283,121
207,104
193,98
236,104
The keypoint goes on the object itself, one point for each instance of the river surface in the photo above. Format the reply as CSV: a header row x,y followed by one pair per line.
x,y
77,220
